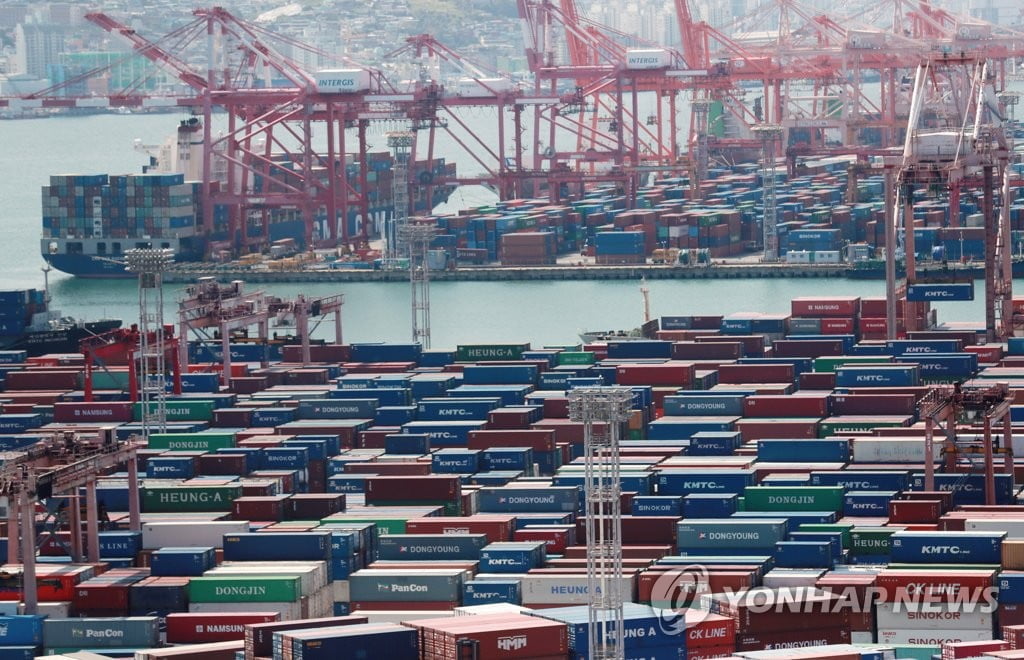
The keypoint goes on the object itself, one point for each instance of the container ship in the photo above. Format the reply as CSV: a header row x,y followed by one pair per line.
x,y
384,500
28,324
89,220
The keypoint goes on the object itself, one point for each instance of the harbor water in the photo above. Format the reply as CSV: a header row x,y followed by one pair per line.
x,y
540,312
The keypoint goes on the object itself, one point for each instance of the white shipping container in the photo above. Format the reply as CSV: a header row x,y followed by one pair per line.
x,y
482,86
313,575
826,257
288,611
340,591
54,610
798,257
892,450
1014,528
865,39
791,577
565,589
638,59
932,637
491,608
342,81
190,534
932,616
940,145
400,616
972,31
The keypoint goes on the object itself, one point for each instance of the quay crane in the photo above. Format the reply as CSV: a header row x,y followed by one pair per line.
x,y
55,469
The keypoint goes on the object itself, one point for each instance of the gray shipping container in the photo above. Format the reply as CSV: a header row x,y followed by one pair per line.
x,y
728,533
443,585
117,632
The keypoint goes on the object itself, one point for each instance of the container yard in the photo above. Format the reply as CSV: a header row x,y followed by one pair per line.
x,y
838,481
435,503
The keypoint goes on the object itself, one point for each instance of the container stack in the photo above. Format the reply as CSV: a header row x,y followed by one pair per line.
x,y
614,248
528,249
120,206
17,309
764,462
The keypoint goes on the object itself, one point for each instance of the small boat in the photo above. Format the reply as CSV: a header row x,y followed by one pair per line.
x,y
646,331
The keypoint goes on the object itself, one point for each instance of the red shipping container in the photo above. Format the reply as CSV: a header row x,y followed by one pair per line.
x,y
510,418
232,417
814,307
874,404
357,606
249,384
807,348
753,345
191,628
838,326
556,407
708,652
763,429
710,350
957,650
430,487
944,497
498,636
651,552
313,506
222,464
817,381
786,406
555,540
681,374
565,430
497,528
914,511
373,438
263,509
742,374
537,439
987,354
99,411
1011,617
752,615
389,468
934,586
666,583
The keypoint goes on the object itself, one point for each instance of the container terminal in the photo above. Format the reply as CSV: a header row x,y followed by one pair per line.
x,y
837,482
618,153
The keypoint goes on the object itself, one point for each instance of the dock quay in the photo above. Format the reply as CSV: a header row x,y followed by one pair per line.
x,y
187,273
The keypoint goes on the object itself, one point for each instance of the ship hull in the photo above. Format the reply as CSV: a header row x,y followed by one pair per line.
x,y
61,340
85,266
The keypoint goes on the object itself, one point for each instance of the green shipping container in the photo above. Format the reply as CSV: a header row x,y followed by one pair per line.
x,y
188,498
829,363
182,411
845,528
575,357
191,441
871,540
263,589
110,380
793,498
384,525
916,652
489,352
827,428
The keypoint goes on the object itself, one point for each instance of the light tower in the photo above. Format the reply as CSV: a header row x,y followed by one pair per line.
x,y
769,134
150,264
417,238
603,410
699,149
401,142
